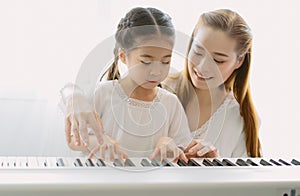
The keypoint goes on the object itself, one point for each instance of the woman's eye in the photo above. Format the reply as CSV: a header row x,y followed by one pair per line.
x,y
146,62
198,53
166,63
219,62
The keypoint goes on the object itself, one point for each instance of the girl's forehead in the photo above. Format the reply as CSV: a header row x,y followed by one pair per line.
x,y
156,42
214,40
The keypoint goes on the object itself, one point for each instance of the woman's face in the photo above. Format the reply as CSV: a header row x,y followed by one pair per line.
x,y
149,63
212,58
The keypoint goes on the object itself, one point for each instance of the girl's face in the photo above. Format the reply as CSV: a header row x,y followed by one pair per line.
x,y
212,58
149,63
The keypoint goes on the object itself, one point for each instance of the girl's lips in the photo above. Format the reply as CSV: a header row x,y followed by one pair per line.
x,y
153,81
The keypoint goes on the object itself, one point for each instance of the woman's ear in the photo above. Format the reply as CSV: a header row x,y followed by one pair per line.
x,y
240,60
122,56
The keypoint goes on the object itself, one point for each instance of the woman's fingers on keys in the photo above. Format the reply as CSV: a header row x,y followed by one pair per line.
x,y
84,132
155,153
191,145
96,124
93,152
68,129
74,129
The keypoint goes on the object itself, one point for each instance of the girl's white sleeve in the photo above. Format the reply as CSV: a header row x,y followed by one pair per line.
x,y
179,128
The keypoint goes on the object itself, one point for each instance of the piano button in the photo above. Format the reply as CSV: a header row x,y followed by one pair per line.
x,y
155,163
207,162
227,162
60,162
295,162
128,163
145,163
167,163
250,162
265,163
192,162
118,163
275,162
89,163
284,162
241,162
78,163
100,163
181,162
217,162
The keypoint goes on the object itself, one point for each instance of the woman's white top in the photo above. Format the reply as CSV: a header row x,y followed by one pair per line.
x,y
225,129
137,124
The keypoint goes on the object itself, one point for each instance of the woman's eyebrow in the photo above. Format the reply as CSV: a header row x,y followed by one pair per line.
x,y
220,54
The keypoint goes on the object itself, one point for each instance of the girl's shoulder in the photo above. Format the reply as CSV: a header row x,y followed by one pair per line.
x,y
107,84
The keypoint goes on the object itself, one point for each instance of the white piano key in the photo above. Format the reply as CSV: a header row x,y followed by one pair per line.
x,y
41,162
3,161
32,162
51,162
21,162
11,162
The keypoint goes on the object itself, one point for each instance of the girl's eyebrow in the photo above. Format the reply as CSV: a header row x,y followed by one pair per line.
x,y
149,56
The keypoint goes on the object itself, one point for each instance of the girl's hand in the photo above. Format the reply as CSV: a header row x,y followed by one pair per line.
x,y
113,146
167,145
201,149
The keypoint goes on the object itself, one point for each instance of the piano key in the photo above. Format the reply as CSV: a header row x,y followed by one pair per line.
x,y
284,162
128,163
51,161
250,162
217,162
275,162
295,162
21,162
60,162
155,163
39,161
118,163
241,162
2,161
181,162
100,163
145,163
193,162
167,163
11,162
89,163
265,163
227,162
78,162
207,162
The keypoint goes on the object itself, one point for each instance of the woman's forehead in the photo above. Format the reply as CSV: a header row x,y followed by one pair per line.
x,y
214,40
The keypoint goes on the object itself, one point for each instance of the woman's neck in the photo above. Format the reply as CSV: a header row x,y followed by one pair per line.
x,y
211,97
136,91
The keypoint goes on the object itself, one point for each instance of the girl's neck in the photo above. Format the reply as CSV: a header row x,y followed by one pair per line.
x,y
136,91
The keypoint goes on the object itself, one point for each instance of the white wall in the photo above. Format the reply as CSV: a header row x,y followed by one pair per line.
x,y
43,44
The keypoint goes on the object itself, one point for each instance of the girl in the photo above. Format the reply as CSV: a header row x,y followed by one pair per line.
x,y
134,111
215,84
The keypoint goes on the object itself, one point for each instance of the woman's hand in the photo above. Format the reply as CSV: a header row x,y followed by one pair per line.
x,y
167,145
201,149
112,146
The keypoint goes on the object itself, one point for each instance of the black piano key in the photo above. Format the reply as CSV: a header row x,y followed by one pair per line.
x,y
284,162
275,162
265,163
227,162
118,163
145,163
129,163
250,162
89,163
60,162
181,162
78,163
155,163
295,162
167,163
100,163
241,162
192,162
207,162
217,162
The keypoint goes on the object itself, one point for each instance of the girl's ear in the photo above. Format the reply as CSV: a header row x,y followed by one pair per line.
x,y
239,61
122,56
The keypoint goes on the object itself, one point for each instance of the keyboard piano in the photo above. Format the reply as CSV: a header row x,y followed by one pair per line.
x,y
31,176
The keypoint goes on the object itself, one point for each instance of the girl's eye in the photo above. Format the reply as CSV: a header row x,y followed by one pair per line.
x,y
146,62
219,62
166,63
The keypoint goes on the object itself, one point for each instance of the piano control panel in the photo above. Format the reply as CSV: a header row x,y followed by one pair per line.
x,y
135,176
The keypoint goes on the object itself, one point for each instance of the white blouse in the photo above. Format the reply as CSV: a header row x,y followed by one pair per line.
x,y
137,124
225,129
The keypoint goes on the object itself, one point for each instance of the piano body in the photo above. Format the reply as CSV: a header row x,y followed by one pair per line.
x,y
74,176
